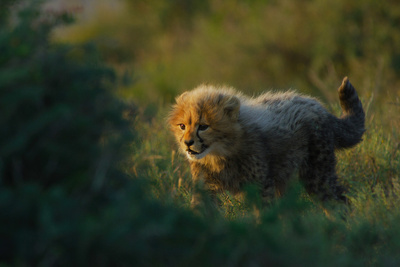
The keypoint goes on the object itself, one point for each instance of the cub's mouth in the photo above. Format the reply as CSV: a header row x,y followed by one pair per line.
x,y
197,154
192,152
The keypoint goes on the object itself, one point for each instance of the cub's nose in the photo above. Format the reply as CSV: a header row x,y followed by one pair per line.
x,y
189,142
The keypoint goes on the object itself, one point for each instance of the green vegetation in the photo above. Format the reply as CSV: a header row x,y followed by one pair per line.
x,y
89,175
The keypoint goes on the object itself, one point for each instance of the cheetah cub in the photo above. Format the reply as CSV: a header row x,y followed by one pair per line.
x,y
232,140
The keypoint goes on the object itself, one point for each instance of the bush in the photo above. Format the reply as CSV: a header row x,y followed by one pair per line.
x,y
62,139
60,122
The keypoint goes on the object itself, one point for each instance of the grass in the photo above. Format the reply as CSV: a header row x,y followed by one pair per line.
x,y
156,159
370,170
366,232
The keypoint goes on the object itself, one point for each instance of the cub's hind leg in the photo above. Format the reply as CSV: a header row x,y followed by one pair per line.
x,y
318,171
268,189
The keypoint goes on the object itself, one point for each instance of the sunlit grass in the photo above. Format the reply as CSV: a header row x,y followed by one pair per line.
x,y
370,171
363,232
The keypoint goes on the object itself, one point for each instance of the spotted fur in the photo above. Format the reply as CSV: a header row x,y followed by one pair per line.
x,y
232,140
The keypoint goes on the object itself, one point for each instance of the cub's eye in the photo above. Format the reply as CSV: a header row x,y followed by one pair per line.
x,y
182,126
203,127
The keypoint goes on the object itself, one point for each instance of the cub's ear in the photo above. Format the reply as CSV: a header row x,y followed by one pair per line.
x,y
230,105
181,97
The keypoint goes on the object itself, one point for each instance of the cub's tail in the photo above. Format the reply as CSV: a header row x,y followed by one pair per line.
x,y
349,128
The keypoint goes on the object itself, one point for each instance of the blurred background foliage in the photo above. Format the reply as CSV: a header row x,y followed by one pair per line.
x,y
89,174
171,46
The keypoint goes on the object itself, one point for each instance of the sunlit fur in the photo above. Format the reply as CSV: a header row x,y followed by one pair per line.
x,y
232,140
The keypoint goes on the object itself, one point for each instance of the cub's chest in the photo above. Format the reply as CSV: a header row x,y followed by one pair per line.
x,y
236,173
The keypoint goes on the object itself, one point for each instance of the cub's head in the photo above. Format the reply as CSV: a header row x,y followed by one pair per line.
x,y
205,122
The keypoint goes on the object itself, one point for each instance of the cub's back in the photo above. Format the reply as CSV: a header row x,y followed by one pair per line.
x,y
289,111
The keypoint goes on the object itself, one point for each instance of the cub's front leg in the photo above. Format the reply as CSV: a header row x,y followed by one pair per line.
x,y
199,188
